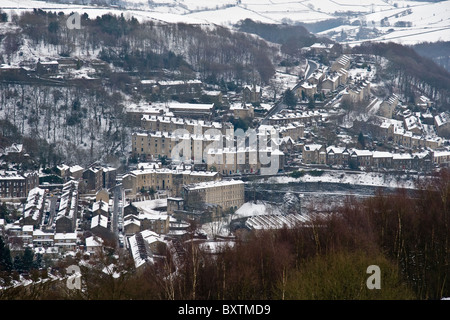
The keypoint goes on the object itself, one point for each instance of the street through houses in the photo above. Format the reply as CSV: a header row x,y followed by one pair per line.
x,y
117,216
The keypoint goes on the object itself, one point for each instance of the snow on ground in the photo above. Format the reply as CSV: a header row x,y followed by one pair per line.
x,y
30,4
210,4
361,74
345,138
374,107
216,246
294,11
288,80
259,208
364,178
412,36
229,16
149,206
333,6
430,21
168,14
216,228
266,106
83,73
279,83
424,14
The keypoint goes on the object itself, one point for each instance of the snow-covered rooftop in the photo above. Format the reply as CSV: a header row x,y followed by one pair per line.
x,y
260,222
99,220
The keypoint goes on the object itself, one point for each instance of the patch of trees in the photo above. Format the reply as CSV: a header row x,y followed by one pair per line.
x,y
3,16
320,26
213,52
24,263
277,33
289,98
291,37
403,24
9,133
51,179
75,125
141,62
411,72
405,234
241,123
9,214
439,52
6,263
11,44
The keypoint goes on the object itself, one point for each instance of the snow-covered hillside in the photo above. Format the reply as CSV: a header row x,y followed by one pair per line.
x,y
425,21
410,24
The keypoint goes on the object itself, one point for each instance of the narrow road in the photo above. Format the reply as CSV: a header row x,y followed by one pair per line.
x,y
53,212
279,105
117,211
312,67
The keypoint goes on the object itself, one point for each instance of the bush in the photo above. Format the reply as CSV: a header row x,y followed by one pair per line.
x,y
343,276
316,173
297,174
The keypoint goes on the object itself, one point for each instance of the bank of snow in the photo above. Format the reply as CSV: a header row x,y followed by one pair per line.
x,y
363,178
258,208
151,206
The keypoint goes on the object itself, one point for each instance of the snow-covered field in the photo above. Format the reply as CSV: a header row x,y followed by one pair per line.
x,y
429,21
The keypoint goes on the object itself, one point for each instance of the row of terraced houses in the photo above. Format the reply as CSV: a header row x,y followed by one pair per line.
x,y
348,157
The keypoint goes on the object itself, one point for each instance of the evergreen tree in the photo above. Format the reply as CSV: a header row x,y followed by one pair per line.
x,y
3,211
289,98
18,264
311,103
37,264
5,257
27,259
361,140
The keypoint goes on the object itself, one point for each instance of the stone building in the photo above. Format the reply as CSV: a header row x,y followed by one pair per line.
x,y
14,184
164,179
226,194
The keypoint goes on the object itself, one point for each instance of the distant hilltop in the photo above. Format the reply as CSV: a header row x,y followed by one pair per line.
x,y
406,22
